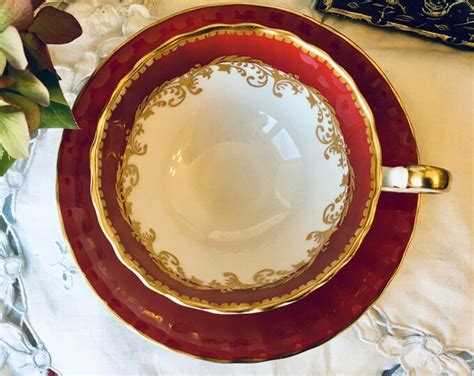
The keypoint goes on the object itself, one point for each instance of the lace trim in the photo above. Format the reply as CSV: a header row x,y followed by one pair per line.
x,y
416,351
20,346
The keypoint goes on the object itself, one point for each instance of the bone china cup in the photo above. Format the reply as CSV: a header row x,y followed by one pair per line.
x,y
237,168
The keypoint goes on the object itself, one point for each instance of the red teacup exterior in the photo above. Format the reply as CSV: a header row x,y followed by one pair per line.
x,y
253,337
287,58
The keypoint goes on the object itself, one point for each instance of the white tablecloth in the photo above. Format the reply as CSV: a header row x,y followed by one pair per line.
x,y
423,324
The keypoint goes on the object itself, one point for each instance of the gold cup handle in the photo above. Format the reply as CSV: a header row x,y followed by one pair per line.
x,y
415,179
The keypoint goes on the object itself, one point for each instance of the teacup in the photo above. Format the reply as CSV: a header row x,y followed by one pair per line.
x,y
237,168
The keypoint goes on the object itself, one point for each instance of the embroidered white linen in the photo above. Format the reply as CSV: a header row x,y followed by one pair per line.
x,y
421,325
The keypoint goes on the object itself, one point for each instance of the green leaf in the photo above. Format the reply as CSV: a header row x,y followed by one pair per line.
x,y
14,135
29,108
37,53
12,48
55,26
5,161
18,13
30,86
58,114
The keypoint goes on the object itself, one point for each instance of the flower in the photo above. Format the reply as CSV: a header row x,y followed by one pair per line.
x,y
30,97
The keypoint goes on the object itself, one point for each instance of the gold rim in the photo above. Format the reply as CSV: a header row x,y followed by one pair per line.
x,y
274,301
394,92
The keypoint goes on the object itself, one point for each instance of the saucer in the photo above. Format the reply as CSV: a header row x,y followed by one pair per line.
x,y
232,338
240,202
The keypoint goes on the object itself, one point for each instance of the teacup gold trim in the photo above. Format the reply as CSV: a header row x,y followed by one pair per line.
x,y
330,270
428,179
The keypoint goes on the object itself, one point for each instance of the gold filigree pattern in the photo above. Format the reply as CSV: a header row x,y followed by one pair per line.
x,y
333,216
334,213
176,90
173,93
128,175
257,74
265,277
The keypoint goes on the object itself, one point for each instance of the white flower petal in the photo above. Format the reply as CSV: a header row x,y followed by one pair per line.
x,y
138,8
12,47
67,78
14,135
138,18
106,47
83,69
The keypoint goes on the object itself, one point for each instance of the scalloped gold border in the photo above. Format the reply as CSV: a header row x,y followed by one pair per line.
x,y
331,269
